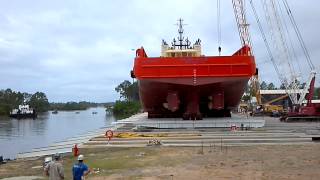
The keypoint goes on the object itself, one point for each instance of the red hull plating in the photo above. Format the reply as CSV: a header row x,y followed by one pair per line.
x,y
192,87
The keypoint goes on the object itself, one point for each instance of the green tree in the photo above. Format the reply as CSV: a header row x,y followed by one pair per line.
x,y
263,85
282,86
133,92
294,83
70,106
26,96
5,106
124,109
8,100
316,94
130,105
301,86
271,86
246,98
128,91
39,102
123,89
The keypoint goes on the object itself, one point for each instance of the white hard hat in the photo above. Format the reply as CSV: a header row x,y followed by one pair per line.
x,y
47,159
80,157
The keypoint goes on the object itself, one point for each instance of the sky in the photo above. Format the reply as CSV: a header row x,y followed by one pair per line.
x,y
76,50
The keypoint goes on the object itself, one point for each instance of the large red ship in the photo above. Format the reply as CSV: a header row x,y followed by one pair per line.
x,y
184,83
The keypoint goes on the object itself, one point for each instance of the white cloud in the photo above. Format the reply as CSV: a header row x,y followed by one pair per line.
x,y
80,50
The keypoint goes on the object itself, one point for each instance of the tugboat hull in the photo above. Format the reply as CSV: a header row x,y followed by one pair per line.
x,y
192,87
23,116
212,99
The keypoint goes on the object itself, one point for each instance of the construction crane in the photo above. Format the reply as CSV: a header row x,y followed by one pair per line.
x,y
243,28
283,59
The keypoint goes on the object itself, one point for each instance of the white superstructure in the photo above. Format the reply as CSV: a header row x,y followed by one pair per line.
x,y
181,47
22,109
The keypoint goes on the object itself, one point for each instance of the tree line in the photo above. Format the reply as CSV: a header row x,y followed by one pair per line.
x,y
270,86
128,91
10,99
129,103
70,106
265,86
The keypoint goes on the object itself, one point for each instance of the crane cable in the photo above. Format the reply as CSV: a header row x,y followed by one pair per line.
x,y
282,78
292,53
278,38
302,44
266,43
219,26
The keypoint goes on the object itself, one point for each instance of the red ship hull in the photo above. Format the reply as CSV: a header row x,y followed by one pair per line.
x,y
192,87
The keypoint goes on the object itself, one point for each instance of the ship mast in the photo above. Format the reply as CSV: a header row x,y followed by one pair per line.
x,y
181,44
180,31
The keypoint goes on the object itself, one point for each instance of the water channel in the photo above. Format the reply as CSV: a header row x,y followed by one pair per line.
x,y
23,135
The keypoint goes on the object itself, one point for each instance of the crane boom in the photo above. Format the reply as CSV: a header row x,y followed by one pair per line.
x,y
243,28
280,57
240,15
283,61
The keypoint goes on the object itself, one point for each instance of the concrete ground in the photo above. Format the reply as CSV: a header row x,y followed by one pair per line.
x,y
278,150
273,131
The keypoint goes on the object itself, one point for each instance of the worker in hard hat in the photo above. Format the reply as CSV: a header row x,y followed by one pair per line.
x,y
80,170
54,169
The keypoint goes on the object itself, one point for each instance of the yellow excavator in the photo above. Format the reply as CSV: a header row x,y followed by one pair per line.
x,y
266,108
271,109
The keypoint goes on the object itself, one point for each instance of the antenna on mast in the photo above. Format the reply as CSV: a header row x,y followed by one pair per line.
x,y
181,38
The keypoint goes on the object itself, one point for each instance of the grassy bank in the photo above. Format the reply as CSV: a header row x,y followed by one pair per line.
x,y
251,162
124,109
103,162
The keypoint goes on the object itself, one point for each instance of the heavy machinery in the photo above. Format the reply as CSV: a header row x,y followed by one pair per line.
x,y
267,108
260,109
284,58
305,112
275,110
270,109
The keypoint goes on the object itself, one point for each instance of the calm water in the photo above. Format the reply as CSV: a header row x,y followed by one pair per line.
x,y
25,134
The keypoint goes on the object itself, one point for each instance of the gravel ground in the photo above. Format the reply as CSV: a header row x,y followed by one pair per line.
x,y
24,178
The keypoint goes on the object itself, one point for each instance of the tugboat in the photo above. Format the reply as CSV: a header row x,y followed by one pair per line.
x,y
183,82
23,111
